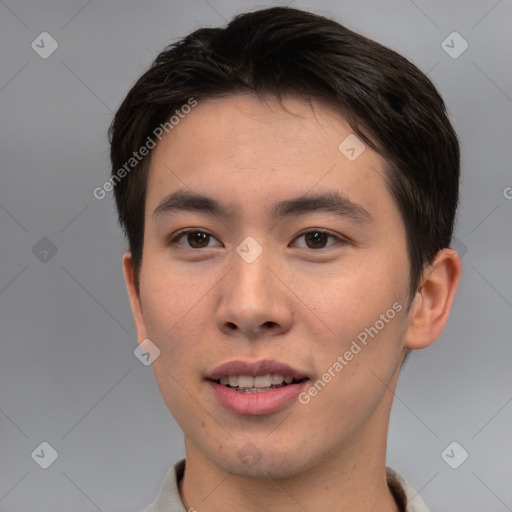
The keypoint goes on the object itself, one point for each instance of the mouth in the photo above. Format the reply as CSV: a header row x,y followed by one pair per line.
x,y
258,384
256,388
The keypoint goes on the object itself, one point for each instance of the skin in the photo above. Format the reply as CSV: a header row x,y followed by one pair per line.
x,y
295,303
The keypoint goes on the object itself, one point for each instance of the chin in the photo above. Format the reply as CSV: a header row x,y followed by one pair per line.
x,y
270,462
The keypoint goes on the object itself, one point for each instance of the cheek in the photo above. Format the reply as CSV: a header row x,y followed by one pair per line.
x,y
171,303
361,309
350,296
172,306
356,365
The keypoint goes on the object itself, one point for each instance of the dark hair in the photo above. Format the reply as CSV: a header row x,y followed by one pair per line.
x,y
389,103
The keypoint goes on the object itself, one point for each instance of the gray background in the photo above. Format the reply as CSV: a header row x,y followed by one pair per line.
x,y
68,375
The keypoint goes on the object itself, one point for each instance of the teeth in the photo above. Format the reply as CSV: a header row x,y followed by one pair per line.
x,y
277,379
261,381
244,381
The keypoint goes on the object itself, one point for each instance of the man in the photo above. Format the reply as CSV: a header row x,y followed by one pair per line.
x,y
288,189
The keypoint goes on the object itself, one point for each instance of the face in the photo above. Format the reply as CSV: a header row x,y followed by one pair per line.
x,y
296,266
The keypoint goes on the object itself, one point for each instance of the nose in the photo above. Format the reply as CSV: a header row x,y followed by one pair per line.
x,y
254,302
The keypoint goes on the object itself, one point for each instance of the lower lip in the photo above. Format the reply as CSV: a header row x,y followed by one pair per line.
x,y
263,402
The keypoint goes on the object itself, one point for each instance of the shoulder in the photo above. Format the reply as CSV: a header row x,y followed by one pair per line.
x,y
168,498
404,492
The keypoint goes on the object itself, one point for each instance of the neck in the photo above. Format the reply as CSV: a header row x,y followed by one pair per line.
x,y
343,489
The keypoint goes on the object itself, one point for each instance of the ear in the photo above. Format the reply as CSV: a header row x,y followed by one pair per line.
x,y
433,301
134,296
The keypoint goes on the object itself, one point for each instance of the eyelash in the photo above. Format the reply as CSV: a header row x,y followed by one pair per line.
x,y
175,238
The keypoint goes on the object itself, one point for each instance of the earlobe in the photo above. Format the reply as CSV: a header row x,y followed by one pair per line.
x,y
134,296
433,301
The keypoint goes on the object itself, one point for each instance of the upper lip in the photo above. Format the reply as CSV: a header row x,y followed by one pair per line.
x,y
255,368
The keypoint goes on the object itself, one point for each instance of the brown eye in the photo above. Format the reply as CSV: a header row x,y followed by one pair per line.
x,y
317,239
194,239
197,239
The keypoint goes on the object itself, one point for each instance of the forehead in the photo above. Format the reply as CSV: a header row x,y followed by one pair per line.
x,y
241,126
243,149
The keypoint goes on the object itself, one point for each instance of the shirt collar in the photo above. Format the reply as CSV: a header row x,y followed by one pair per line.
x,y
169,500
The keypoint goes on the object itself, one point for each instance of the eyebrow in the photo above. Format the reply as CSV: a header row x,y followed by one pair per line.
x,y
330,202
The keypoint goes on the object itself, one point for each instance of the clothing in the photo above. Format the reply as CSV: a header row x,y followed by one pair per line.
x,y
169,500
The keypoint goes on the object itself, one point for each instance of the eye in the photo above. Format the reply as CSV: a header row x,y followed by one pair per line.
x,y
317,239
195,238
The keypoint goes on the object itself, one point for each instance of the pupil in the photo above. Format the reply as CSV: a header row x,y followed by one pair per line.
x,y
196,239
317,238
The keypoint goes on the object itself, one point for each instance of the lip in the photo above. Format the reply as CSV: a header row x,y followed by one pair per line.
x,y
253,369
264,402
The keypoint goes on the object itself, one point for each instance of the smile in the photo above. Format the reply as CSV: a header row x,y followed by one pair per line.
x,y
258,384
